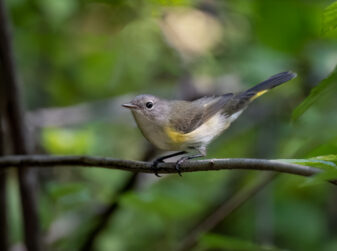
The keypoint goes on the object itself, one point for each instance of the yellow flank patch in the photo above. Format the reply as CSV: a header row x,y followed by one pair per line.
x,y
258,94
175,136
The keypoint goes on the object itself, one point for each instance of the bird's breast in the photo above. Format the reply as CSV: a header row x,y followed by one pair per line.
x,y
155,133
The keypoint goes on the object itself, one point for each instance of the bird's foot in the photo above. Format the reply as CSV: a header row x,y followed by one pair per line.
x,y
178,164
161,160
183,159
154,166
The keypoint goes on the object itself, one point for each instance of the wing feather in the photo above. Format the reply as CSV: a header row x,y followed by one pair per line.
x,y
196,113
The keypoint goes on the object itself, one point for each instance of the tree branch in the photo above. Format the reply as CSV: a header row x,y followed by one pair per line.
x,y
145,167
17,129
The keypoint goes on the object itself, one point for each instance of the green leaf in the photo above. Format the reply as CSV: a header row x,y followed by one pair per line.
x,y
330,157
221,242
313,162
317,92
327,163
328,174
330,18
67,141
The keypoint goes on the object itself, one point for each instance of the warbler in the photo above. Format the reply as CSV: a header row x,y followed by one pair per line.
x,y
178,125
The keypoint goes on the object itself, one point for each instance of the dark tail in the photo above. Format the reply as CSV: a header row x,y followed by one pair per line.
x,y
268,84
241,100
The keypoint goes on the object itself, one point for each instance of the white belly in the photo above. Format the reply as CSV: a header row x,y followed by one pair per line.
x,y
201,136
205,133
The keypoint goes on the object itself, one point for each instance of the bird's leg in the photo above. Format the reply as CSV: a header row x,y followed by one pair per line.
x,y
161,160
202,153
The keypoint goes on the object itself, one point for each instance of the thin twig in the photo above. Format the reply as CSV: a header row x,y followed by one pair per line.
x,y
16,122
146,167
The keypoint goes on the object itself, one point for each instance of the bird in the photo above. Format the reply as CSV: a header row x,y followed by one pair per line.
x,y
185,126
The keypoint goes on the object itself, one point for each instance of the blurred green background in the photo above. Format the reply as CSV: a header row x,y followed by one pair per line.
x,y
80,59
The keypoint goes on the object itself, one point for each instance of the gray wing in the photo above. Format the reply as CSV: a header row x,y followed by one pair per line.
x,y
236,103
188,116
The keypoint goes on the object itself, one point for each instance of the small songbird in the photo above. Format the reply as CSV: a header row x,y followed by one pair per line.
x,y
178,125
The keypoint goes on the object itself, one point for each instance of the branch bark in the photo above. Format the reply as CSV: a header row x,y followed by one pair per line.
x,y
145,167
16,122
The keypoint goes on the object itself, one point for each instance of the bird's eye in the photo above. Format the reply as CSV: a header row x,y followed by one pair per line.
x,y
149,105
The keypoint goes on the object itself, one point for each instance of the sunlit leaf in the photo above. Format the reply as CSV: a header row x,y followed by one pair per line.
x,y
330,18
330,157
313,162
317,92
65,141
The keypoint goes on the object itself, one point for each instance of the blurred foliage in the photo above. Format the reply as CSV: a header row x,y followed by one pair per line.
x,y
220,242
79,51
327,85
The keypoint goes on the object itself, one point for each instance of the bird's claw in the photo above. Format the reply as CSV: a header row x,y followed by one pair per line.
x,y
154,166
178,164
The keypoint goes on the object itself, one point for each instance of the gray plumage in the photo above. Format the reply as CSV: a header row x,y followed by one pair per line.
x,y
179,124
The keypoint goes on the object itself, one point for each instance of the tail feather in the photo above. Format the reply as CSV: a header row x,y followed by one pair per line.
x,y
268,84
241,100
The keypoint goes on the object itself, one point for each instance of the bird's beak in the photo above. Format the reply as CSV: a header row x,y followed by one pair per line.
x,y
130,106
